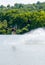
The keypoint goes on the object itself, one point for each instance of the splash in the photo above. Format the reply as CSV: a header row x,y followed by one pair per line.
x,y
36,36
23,49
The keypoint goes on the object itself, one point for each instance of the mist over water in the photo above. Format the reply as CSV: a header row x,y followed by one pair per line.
x,y
26,49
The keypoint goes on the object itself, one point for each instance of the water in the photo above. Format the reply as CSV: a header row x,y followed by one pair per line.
x,y
27,49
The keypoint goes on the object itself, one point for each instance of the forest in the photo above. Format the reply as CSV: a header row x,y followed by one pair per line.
x,y
22,17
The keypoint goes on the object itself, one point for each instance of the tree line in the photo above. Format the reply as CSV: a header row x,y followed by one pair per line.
x,y
24,16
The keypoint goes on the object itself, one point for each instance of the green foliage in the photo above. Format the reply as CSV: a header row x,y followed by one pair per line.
x,y
23,17
4,23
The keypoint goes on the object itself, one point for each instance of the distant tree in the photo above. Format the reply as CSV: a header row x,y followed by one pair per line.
x,y
1,6
8,6
38,2
16,5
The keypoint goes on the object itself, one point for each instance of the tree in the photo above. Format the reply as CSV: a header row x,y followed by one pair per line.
x,y
8,6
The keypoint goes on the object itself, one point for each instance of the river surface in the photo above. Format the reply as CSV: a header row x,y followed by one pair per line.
x,y
27,49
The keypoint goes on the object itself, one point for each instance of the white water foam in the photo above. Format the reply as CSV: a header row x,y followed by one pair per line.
x,y
26,49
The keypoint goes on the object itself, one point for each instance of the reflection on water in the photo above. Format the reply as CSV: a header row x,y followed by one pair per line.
x,y
27,49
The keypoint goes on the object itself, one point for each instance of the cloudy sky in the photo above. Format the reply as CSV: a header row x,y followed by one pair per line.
x,y
11,2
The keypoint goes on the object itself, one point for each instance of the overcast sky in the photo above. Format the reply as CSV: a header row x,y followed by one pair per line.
x,y
11,2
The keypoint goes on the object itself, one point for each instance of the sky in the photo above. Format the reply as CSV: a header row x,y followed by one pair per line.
x,y
12,2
